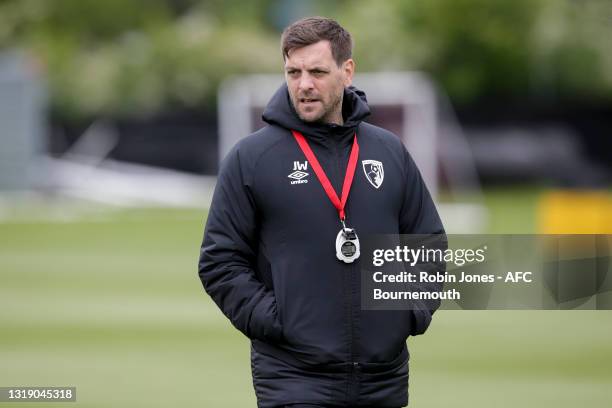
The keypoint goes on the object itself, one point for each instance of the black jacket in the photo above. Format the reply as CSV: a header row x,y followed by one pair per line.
x,y
268,259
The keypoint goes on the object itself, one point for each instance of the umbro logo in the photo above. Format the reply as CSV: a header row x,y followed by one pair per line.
x,y
298,175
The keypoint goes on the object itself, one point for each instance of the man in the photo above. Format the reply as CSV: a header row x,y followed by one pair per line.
x,y
280,253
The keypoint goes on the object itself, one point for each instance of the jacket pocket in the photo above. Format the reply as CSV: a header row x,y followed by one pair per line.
x,y
265,323
420,321
386,384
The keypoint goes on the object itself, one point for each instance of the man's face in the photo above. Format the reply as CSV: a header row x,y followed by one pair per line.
x,y
316,84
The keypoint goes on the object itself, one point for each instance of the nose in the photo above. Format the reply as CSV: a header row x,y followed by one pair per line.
x,y
306,83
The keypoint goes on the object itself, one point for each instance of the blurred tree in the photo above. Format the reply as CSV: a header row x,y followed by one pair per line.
x,y
491,48
126,57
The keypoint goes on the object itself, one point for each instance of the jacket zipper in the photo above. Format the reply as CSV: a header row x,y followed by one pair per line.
x,y
354,352
355,367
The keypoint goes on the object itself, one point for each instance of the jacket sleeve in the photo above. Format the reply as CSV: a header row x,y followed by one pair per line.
x,y
419,216
228,254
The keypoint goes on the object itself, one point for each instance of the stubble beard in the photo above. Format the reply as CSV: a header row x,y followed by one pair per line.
x,y
328,113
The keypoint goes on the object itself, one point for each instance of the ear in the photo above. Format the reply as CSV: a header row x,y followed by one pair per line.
x,y
348,69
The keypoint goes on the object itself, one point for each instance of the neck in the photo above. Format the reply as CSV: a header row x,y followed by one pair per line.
x,y
335,118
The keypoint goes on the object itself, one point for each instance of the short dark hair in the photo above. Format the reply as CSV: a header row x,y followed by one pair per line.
x,y
311,30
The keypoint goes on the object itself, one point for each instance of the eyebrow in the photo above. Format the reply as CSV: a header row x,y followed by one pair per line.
x,y
315,68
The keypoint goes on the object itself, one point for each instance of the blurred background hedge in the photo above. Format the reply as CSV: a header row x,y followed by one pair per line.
x,y
124,57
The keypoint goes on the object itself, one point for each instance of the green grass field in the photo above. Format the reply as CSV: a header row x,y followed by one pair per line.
x,y
112,304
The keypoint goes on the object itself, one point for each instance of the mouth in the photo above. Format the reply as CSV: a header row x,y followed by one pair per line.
x,y
308,101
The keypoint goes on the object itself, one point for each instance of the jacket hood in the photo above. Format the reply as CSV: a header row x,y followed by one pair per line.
x,y
280,111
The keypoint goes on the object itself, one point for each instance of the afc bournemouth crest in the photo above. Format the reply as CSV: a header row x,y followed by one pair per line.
x,y
374,172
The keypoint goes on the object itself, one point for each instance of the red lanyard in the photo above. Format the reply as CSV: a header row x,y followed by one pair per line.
x,y
348,178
